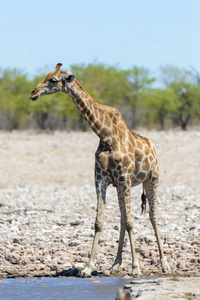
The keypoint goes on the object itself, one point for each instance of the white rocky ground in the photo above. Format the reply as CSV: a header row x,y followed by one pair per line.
x,y
162,289
48,206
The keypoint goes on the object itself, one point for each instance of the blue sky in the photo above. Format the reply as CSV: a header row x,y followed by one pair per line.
x,y
36,35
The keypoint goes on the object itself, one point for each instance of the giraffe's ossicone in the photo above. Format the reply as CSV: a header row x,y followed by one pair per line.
x,y
123,159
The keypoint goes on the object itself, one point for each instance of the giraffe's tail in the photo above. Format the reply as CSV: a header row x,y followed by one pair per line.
x,y
144,202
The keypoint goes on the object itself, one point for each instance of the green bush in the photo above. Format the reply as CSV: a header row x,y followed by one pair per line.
x,y
132,91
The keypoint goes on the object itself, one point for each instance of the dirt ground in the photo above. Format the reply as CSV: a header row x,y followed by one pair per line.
x,y
62,158
48,206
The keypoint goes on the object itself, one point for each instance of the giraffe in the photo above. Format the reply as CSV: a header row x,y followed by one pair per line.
x,y
123,158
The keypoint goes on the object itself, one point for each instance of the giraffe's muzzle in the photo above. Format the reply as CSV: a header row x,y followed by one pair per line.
x,y
34,96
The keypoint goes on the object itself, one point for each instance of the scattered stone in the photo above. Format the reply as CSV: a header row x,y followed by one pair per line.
x,y
124,295
79,265
16,241
180,265
47,217
13,258
73,243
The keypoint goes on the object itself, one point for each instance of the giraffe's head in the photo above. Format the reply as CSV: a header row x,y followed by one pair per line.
x,y
54,82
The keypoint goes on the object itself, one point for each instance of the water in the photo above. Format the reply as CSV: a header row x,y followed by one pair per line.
x,y
103,288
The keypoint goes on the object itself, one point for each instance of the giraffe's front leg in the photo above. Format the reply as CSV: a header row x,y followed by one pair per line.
x,y
86,272
101,193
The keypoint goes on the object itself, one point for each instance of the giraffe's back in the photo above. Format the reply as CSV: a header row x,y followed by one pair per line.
x,y
144,157
131,158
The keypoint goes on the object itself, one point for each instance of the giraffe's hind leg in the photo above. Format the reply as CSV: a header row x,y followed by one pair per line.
x,y
128,221
151,186
118,260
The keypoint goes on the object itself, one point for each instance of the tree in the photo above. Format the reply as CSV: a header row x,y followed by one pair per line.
x,y
187,100
14,93
106,84
170,74
187,103
138,84
161,105
131,91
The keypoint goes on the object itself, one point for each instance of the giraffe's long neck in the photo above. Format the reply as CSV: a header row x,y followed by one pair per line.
x,y
98,117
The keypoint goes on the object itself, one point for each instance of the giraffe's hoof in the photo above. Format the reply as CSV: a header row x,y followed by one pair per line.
x,y
115,268
85,273
136,272
165,266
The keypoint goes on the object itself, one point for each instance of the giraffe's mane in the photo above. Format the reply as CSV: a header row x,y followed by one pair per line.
x,y
84,91
137,135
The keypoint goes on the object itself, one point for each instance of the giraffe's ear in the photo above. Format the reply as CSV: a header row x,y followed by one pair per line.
x,y
58,66
69,78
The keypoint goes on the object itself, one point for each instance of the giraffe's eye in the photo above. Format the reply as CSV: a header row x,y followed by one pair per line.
x,y
53,80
